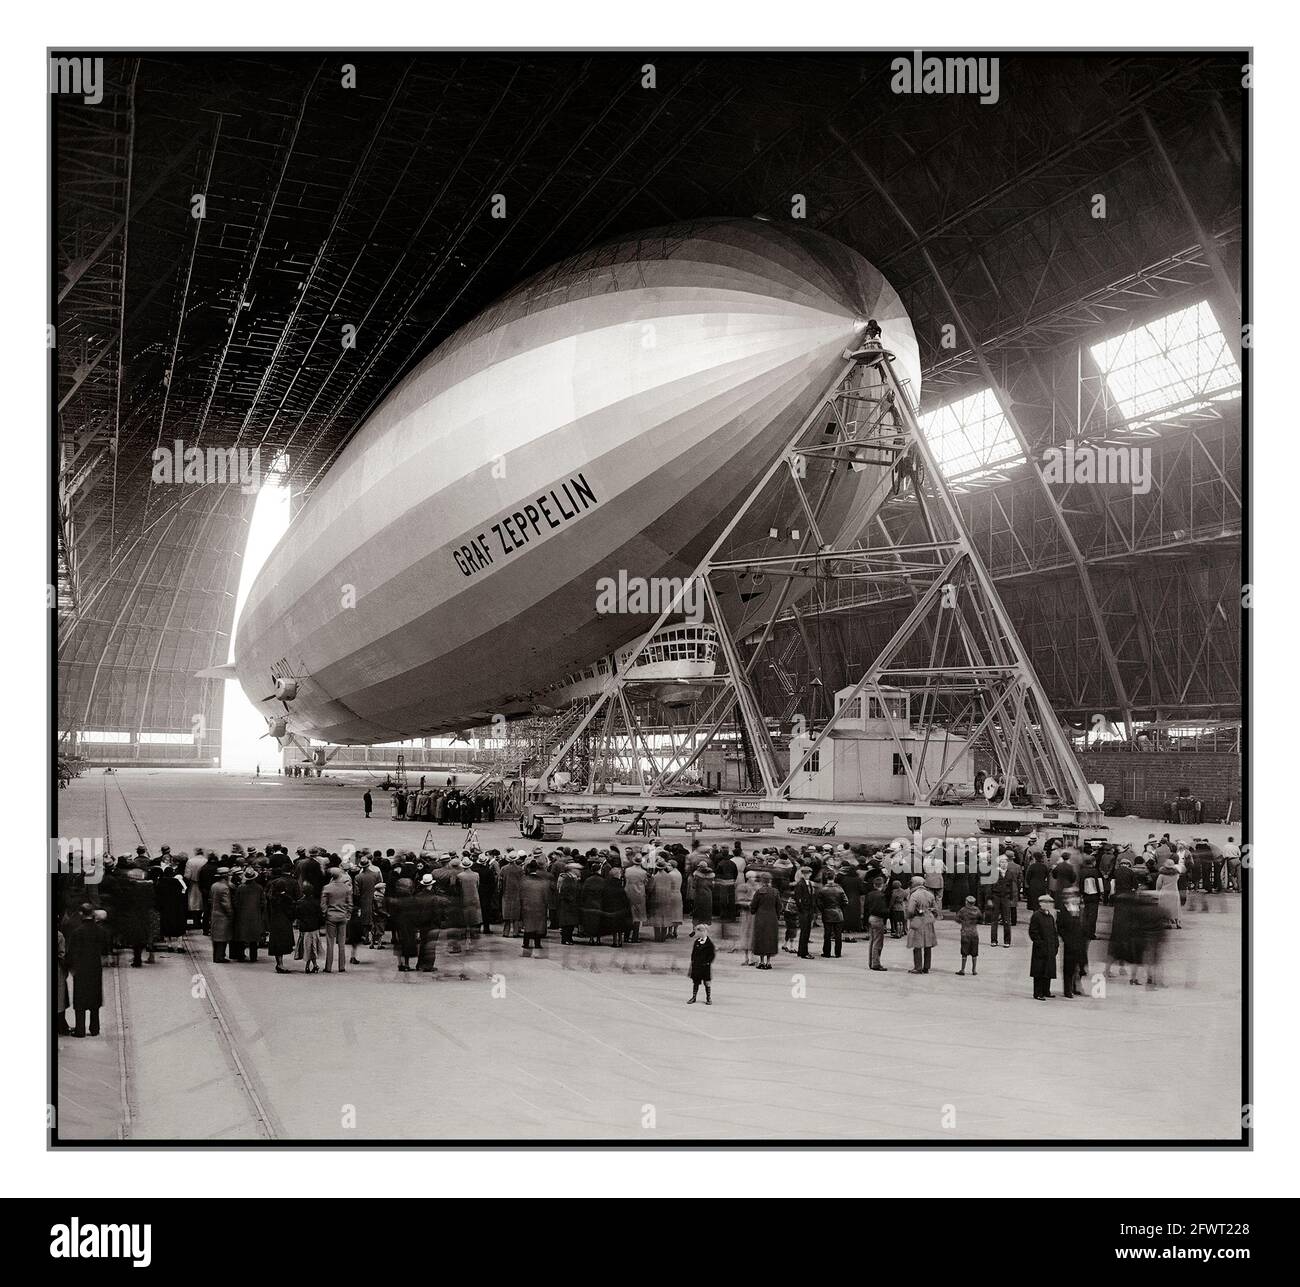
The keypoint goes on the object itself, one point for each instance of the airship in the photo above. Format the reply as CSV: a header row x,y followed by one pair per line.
x,y
596,426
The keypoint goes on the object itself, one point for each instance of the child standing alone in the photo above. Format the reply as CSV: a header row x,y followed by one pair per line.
x,y
702,952
968,917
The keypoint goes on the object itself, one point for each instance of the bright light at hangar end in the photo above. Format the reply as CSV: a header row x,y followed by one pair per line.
x,y
242,724
1177,364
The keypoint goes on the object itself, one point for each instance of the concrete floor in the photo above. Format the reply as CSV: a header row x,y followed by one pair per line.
x,y
188,807
592,1043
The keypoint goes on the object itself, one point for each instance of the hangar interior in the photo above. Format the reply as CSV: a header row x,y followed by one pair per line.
x,y
1070,257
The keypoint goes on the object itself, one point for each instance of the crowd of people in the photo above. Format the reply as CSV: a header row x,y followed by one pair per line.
x,y
320,908
444,807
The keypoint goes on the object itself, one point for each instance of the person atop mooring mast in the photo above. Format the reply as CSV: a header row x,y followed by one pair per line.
x,y
870,346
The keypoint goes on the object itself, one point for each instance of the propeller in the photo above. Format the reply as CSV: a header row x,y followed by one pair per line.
x,y
285,690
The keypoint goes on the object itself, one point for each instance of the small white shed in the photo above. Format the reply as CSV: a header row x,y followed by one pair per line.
x,y
862,759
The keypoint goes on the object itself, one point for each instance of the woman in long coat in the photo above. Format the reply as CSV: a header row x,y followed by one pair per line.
x,y
568,891
280,900
921,916
193,890
427,912
745,888
593,894
412,914
250,918
851,883
614,905
1167,894
1036,878
171,899
652,896
488,893
552,875
634,882
206,877
471,908
397,907
364,883
1125,945
512,876
765,912
702,896
221,918
532,902
666,901
133,912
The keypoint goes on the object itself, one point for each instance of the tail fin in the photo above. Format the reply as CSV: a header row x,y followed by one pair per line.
x,y
217,672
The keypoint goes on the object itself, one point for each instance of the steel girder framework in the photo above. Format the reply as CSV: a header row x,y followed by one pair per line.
x,y
956,657
1172,623
1165,563
89,294
158,616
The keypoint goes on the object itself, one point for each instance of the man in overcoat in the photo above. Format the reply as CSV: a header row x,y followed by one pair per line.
x,y
831,902
877,918
805,901
85,961
532,900
922,912
1072,929
1001,904
133,907
1037,874
364,883
221,916
1043,935
512,877
250,918
593,891
1016,875
568,887
725,875
850,881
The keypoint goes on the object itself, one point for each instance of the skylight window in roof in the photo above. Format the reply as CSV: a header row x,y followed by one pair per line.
x,y
1171,366
971,436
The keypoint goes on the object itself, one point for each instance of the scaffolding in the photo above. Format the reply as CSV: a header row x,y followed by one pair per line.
x,y
956,656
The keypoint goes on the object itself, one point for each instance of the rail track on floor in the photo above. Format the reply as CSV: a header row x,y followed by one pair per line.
x,y
263,1118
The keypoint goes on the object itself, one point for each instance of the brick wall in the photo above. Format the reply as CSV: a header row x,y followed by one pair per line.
x,y
1146,780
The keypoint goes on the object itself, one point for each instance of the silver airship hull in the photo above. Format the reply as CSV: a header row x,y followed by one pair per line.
x,y
602,419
